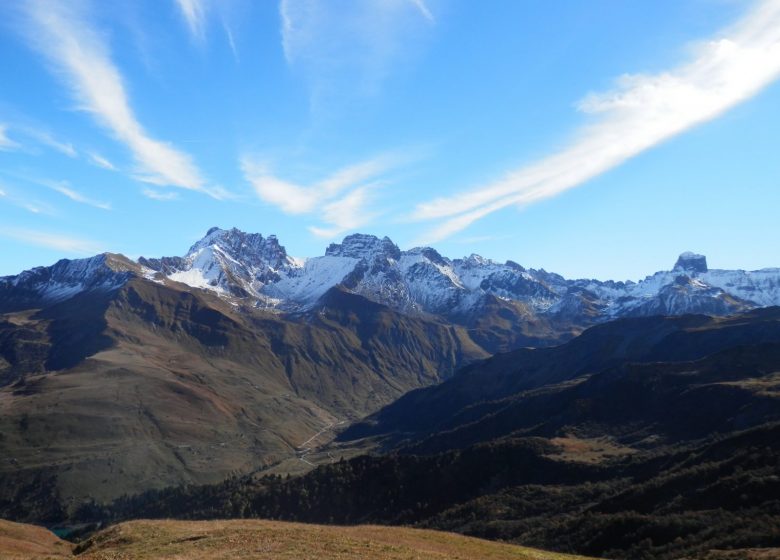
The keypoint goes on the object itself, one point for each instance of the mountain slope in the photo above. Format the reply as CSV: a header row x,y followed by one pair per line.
x,y
619,366
150,384
642,438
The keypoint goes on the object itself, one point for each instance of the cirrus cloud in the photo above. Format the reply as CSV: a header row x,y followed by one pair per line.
x,y
79,54
340,201
641,112
352,49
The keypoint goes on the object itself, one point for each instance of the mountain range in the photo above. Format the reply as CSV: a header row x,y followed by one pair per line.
x,y
250,270
237,362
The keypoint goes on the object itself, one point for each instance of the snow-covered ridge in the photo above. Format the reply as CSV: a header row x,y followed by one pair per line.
x,y
233,263
229,262
66,278
256,270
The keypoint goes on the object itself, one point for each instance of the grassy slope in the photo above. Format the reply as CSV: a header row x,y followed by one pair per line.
x,y
23,542
271,539
212,540
252,539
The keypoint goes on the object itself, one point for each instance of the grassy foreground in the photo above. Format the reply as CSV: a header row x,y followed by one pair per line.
x,y
19,542
217,540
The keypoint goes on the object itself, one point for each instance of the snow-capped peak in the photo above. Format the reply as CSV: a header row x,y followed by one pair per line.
x,y
257,270
248,248
229,262
45,285
243,265
361,246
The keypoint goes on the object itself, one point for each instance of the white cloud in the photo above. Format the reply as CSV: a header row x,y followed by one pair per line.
x,y
5,142
643,111
100,161
55,241
351,47
82,58
157,195
194,14
231,40
49,140
426,13
347,213
35,207
64,189
38,135
340,200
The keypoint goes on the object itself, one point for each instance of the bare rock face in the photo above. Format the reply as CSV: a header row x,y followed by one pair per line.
x,y
691,262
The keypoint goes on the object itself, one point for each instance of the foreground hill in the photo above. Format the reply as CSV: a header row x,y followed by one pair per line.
x,y
644,438
30,542
223,540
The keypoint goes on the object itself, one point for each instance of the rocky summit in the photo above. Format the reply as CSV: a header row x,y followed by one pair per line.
x,y
250,269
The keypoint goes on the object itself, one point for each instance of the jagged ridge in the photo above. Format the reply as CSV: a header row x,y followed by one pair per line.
x,y
251,269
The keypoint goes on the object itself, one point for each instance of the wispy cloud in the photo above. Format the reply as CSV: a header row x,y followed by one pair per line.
x,y
231,40
65,189
58,242
347,213
48,139
194,14
100,161
423,8
38,135
340,200
352,48
64,34
5,142
9,195
157,195
643,111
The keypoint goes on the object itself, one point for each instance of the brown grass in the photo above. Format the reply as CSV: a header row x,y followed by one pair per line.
x,y
28,542
588,450
245,539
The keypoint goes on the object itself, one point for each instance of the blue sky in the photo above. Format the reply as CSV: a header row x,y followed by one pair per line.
x,y
594,139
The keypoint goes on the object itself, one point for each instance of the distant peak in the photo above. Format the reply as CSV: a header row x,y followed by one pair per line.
x,y
250,247
359,245
477,260
429,253
691,262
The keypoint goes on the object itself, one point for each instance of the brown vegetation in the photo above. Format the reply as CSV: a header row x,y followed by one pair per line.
x,y
28,542
226,540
